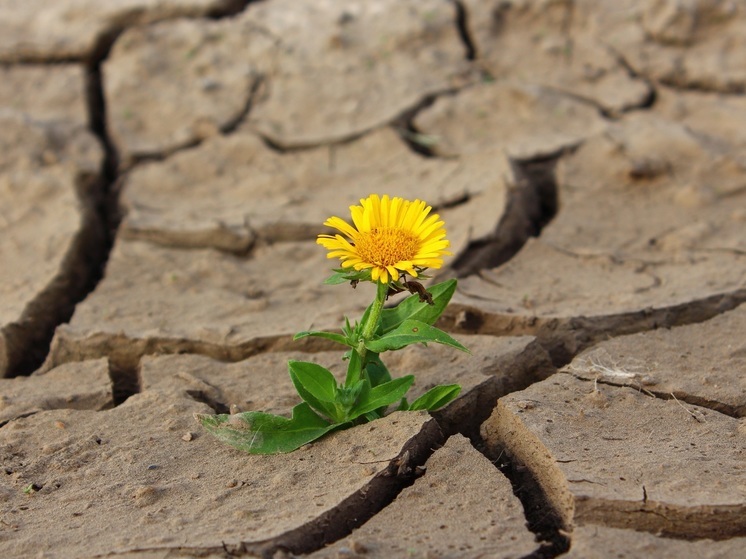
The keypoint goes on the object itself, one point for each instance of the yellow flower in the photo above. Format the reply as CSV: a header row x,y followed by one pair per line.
x,y
390,236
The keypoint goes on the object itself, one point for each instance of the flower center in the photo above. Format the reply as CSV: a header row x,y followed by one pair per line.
x,y
387,246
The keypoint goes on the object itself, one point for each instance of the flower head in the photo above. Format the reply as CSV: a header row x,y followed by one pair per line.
x,y
390,236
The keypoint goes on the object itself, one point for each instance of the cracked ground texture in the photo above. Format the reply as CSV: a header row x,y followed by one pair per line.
x,y
165,167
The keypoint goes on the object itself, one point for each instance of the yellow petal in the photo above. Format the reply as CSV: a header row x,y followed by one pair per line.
x,y
426,231
420,218
396,207
374,209
341,225
357,214
385,229
385,211
410,211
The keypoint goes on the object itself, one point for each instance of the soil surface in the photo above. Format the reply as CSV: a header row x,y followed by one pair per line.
x,y
165,167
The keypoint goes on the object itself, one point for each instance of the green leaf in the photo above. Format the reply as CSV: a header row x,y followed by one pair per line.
x,y
354,369
342,275
377,374
264,433
412,332
339,338
335,279
371,416
359,326
347,328
376,370
414,309
316,385
436,397
382,396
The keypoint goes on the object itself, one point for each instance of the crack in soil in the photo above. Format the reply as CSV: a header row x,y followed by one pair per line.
x,y
357,509
462,24
733,411
125,382
645,103
530,208
85,263
229,8
735,89
254,91
83,266
258,81
340,521
531,205
402,123
672,82
541,518
564,338
26,342
473,409
124,354
417,141
652,97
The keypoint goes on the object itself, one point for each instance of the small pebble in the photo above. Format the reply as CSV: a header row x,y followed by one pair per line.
x,y
153,467
187,437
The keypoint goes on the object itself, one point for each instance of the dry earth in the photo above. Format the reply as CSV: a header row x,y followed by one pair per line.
x,y
165,166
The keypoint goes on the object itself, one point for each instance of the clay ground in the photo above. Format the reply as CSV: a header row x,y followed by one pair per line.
x,y
165,167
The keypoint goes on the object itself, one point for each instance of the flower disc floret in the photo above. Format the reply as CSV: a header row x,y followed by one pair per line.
x,y
388,236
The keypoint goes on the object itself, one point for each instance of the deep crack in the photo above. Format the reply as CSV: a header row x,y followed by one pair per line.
x,y
541,518
531,205
125,353
564,338
229,8
107,204
30,339
27,341
462,24
360,507
125,382
419,142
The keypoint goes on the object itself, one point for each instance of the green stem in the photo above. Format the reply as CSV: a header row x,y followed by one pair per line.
x,y
370,326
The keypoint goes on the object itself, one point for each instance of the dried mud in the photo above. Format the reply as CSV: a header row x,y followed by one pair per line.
x,y
165,168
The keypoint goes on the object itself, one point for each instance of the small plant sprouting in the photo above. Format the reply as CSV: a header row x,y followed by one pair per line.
x,y
390,240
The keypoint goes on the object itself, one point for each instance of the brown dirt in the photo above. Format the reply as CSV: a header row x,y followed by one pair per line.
x,y
165,168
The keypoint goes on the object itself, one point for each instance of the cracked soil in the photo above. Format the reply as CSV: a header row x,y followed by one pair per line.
x,y
165,167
